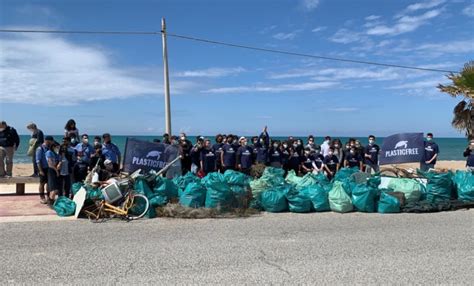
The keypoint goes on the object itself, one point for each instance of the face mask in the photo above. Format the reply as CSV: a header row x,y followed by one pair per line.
x,y
299,143
317,152
295,145
85,141
429,139
330,153
56,150
285,145
306,153
327,141
371,141
336,145
352,151
275,145
96,143
244,143
348,147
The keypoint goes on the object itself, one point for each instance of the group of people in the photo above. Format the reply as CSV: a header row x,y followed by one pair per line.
x,y
58,165
236,153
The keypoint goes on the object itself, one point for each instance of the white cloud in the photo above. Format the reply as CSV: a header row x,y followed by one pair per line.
x,y
423,5
286,36
337,74
211,72
309,5
268,29
43,69
404,24
427,83
469,10
372,18
454,47
319,29
345,36
306,86
342,109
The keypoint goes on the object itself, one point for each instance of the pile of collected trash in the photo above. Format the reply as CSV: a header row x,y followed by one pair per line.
x,y
350,190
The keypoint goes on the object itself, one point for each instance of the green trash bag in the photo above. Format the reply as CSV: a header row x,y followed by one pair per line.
x,y
339,200
464,182
141,187
319,197
439,186
298,201
292,178
364,198
194,196
236,178
163,191
218,193
388,204
410,187
273,176
241,196
259,186
64,206
345,173
274,200
93,193
182,181
76,187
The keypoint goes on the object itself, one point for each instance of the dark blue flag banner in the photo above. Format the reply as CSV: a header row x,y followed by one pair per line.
x,y
402,148
143,155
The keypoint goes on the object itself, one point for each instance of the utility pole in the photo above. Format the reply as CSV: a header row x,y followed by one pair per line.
x,y
166,82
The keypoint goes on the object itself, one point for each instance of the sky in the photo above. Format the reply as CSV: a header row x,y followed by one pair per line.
x,y
114,83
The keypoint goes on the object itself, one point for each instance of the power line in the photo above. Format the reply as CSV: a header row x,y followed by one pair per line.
x,y
229,45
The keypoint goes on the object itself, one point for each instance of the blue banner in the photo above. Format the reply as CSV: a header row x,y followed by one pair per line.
x,y
143,155
402,148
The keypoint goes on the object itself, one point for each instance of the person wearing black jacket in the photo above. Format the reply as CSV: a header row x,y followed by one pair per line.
x,y
186,146
262,146
469,154
9,142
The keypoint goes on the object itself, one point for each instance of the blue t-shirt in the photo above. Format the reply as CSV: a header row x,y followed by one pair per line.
x,y
431,149
230,153
318,160
217,148
111,152
84,151
41,156
275,156
244,155
331,162
470,157
373,151
53,157
208,158
307,161
353,160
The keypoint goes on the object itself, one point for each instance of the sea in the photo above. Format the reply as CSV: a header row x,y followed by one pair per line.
x,y
450,148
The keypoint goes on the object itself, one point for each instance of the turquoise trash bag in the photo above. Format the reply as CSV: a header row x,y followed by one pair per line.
x,y
292,178
182,181
64,206
271,178
344,175
163,191
194,196
388,204
76,187
319,197
410,187
274,200
141,187
464,182
364,195
439,187
298,201
339,200
219,194
236,178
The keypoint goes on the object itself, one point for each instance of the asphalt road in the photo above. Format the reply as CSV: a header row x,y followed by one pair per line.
x,y
326,248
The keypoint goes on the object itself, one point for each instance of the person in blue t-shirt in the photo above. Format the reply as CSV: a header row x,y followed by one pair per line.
x,y
111,152
52,158
217,148
430,154
275,155
208,158
244,156
353,160
307,162
331,164
371,156
42,164
318,161
469,154
228,157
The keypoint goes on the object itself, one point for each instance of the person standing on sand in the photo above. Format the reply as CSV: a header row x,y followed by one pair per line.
x,y
9,142
42,165
430,155
371,156
244,156
37,138
228,155
469,154
208,158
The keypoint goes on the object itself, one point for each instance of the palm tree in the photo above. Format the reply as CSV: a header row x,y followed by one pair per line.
x,y
463,86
